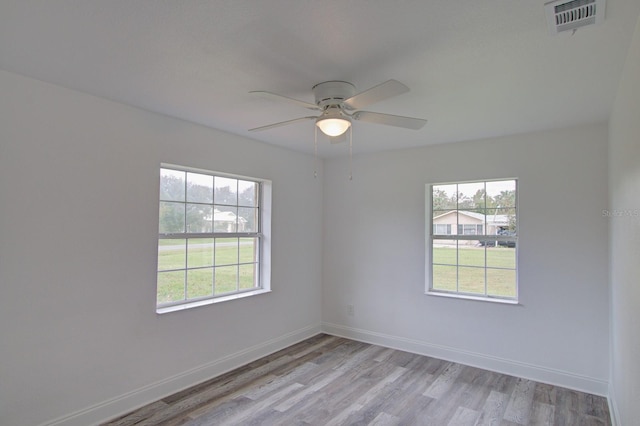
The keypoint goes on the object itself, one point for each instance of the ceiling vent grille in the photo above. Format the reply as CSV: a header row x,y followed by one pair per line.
x,y
563,15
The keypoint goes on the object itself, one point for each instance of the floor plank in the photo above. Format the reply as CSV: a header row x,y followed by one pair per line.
x,y
328,380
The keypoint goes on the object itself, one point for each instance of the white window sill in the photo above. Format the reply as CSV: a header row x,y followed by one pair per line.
x,y
198,303
468,297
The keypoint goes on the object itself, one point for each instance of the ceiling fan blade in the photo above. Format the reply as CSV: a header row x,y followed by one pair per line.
x,y
277,97
390,120
386,90
282,123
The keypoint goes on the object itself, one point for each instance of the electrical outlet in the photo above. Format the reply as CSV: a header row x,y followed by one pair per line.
x,y
350,310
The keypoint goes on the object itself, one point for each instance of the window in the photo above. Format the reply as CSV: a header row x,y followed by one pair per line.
x,y
442,228
479,260
470,229
212,240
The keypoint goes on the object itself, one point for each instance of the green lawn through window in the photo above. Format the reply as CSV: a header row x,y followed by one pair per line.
x,y
212,267
466,269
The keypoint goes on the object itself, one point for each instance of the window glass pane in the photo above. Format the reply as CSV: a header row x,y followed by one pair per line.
x,y
502,256
171,217
199,188
470,229
199,218
444,197
170,286
444,252
226,191
171,254
445,277
442,229
471,280
200,252
480,200
469,254
502,193
469,222
247,193
199,283
247,276
171,185
225,219
501,282
247,219
226,251
504,221
471,196
444,221
248,250
226,279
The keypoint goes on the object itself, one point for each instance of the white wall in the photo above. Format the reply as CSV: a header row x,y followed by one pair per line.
x,y
374,256
78,223
624,189
79,179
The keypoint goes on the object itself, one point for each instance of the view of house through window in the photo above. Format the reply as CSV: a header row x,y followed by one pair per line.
x,y
209,240
473,239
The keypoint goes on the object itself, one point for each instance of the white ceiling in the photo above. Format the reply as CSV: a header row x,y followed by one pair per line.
x,y
476,69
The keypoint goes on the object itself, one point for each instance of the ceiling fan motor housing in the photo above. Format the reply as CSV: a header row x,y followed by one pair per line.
x,y
332,92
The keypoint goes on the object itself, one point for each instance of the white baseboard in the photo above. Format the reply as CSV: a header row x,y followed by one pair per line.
x,y
137,398
613,407
506,366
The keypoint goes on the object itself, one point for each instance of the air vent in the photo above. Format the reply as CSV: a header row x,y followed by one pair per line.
x,y
563,15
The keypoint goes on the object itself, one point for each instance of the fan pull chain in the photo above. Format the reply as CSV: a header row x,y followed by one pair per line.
x,y
315,152
350,152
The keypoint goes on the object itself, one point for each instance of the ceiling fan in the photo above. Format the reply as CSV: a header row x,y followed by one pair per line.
x,y
339,105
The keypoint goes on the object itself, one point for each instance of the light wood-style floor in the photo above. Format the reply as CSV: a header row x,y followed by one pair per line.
x,y
327,380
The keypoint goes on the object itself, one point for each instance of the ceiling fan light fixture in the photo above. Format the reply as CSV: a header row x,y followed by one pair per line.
x,y
333,126
333,122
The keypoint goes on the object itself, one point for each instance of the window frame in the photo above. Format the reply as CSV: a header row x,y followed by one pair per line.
x,y
497,238
262,236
